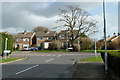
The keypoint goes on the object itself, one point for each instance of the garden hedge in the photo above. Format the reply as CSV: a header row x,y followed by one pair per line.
x,y
113,61
9,42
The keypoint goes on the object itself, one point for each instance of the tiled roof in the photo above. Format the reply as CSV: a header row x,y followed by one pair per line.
x,y
68,32
50,33
109,39
23,35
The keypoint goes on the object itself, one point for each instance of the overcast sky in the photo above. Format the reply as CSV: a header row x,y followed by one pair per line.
x,y
18,16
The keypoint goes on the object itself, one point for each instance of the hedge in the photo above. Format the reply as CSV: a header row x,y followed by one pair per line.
x,y
113,61
9,42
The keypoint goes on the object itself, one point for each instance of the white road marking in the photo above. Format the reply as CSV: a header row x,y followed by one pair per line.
x,y
58,55
27,69
42,55
48,55
49,60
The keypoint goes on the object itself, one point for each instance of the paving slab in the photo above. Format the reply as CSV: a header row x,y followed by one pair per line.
x,y
89,71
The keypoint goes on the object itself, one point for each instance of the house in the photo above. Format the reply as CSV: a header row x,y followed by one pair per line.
x,y
64,36
44,38
25,39
4,32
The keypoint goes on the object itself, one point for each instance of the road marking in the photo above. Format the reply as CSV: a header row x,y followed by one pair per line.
x,y
27,69
49,60
42,55
58,55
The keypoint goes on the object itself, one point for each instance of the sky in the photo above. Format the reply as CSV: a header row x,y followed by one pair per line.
x,y
20,16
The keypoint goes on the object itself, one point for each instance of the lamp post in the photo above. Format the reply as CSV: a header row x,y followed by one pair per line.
x,y
6,47
95,44
106,66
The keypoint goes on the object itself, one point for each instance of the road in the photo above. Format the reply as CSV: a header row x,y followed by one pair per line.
x,y
57,65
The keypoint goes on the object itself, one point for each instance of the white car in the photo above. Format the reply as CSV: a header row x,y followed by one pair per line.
x,y
26,48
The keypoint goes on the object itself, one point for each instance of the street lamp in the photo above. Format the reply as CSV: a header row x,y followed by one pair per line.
x,y
106,66
95,44
6,47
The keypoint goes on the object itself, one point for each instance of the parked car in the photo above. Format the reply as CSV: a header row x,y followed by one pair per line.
x,y
27,48
37,48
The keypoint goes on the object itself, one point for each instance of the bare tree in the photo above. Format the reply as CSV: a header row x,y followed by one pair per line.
x,y
40,29
75,18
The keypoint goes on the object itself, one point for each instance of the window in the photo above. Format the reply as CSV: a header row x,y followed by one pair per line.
x,y
62,36
49,38
26,39
18,39
41,38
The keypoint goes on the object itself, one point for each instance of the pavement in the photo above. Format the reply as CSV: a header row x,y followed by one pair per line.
x,y
38,66
89,70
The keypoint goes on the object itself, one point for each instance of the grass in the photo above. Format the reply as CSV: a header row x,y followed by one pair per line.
x,y
51,51
93,59
8,59
98,50
15,50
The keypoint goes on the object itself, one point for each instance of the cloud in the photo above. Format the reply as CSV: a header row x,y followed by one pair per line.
x,y
18,16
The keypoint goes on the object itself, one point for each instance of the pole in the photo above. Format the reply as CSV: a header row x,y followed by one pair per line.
x,y
106,66
95,49
6,47
78,46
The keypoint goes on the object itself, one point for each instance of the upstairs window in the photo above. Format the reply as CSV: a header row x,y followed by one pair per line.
x,y
49,38
26,39
41,38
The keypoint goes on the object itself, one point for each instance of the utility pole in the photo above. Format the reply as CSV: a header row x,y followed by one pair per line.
x,y
106,66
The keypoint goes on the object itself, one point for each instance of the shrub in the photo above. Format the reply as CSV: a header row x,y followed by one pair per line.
x,y
52,46
86,44
9,42
113,61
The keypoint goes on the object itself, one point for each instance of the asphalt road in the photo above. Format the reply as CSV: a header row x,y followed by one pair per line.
x,y
55,65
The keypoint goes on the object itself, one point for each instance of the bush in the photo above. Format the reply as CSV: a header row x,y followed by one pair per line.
x,y
86,44
110,46
113,61
9,42
53,46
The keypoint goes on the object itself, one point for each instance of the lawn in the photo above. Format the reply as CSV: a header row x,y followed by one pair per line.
x,y
98,50
93,59
8,59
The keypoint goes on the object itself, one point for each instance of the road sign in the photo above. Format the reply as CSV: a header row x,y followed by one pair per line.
x,y
7,51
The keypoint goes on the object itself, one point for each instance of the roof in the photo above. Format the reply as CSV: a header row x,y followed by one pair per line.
x,y
4,32
24,35
68,32
116,38
42,34
110,38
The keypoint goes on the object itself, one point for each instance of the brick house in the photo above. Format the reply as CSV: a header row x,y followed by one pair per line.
x,y
44,38
25,39
64,36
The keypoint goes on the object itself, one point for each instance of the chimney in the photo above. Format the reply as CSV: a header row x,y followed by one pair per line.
x,y
108,36
25,31
118,34
114,34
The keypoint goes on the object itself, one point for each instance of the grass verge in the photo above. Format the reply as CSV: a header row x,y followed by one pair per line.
x,y
98,50
93,59
8,60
